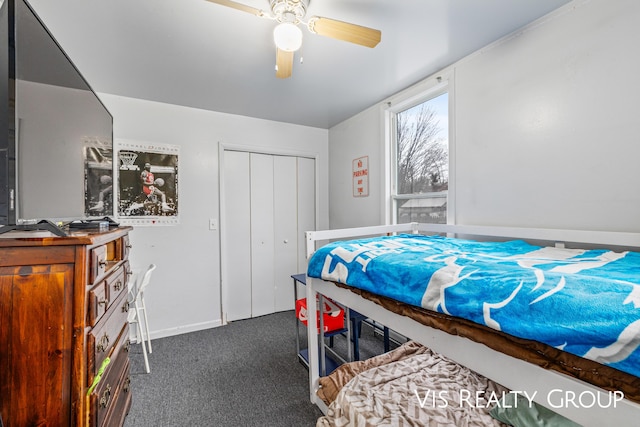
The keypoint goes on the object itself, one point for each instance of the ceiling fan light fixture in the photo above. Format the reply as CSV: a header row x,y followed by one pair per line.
x,y
287,37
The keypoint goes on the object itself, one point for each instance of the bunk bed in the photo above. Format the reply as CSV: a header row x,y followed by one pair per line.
x,y
536,364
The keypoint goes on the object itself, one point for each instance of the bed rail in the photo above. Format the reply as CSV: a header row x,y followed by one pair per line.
x,y
614,238
315,236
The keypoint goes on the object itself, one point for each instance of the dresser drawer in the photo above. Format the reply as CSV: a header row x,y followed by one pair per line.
x,y
98,303
108,334
105,257
105,292
112,392
98,263
122,402
116,283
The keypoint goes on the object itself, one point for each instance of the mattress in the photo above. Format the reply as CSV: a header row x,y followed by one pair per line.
x,y
564,301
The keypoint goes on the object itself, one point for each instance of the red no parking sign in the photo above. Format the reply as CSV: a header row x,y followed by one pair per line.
x,y
361,177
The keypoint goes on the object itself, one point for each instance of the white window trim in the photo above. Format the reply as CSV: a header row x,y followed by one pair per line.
x,y
423,91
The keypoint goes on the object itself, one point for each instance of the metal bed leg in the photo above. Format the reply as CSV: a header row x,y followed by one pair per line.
x,y
347,314
386,339
357,326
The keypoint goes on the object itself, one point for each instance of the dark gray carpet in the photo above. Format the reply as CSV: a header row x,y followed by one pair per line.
x,y
242,374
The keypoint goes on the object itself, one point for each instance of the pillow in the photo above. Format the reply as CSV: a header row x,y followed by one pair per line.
x,y
523,415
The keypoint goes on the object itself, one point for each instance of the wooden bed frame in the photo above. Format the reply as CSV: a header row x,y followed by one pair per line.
x,y
550,386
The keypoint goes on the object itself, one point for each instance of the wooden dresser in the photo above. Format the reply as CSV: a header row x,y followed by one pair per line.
x,y
63,312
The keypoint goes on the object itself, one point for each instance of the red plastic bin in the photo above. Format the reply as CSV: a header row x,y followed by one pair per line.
x,y
333,315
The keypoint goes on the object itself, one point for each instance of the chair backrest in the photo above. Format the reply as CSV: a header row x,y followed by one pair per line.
x,y
144,280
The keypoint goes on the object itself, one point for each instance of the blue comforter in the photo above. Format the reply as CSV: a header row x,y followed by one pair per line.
x,y
585,302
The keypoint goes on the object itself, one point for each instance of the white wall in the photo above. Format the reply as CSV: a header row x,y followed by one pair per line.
x,y
546,126
352,139
185,291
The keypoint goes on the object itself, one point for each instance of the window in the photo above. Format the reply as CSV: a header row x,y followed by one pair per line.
x,y
420,169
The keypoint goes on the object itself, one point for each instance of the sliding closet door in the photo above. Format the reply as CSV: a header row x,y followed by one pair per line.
x,y
236,271
262,234
286,240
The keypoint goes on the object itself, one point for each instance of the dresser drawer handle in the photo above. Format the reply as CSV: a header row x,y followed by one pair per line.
x,y
118,285
106,397
127,384
104,302
125,307
128,246
127,345
103,343
102,263
129,272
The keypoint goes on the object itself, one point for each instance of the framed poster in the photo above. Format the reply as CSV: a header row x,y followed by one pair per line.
x,y
98,178
361,177
147,183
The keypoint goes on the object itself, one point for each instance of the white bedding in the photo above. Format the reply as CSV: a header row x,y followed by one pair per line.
x,y
423,390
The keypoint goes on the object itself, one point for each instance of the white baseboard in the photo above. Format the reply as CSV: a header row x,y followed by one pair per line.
x,y
179,330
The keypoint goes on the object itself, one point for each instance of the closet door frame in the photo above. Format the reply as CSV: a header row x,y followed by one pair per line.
x,y
222,147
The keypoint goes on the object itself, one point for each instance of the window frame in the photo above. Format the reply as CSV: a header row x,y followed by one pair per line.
x,y
428,89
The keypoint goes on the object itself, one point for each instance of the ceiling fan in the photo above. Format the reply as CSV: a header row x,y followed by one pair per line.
x,y
288,36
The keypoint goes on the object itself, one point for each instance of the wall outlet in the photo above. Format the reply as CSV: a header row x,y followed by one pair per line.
x,y
213,224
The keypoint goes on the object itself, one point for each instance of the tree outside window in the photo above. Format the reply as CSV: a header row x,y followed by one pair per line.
x,y
422,162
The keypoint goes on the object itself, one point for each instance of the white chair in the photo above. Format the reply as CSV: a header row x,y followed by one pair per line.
x,y
138,312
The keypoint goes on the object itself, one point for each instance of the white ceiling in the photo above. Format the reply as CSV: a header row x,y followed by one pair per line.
x,y
203,55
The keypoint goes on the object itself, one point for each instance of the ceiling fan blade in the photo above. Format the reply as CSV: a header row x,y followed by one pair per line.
x,y
239,6
345,31
284,64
